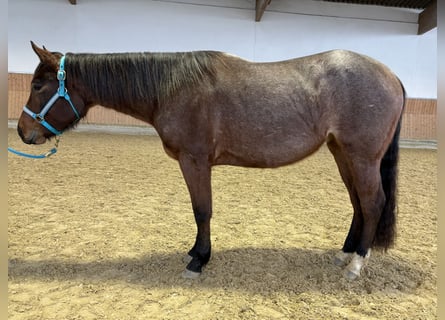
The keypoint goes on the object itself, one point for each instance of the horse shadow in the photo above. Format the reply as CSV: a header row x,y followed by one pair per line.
x,y
258,270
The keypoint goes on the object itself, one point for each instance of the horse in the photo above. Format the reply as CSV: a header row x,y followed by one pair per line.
x,y
212,108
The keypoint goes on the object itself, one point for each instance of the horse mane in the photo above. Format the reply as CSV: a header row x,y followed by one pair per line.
x,y
135,77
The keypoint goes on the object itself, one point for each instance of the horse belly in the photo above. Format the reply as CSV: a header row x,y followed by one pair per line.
x,y
267,147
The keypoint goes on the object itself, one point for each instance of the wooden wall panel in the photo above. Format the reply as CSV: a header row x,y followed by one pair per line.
x,y
18,90
419,121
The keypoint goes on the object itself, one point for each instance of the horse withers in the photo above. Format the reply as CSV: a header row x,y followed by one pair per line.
x,y
211,108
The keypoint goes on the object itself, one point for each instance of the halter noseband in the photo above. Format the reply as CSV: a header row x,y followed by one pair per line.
x,y
62,92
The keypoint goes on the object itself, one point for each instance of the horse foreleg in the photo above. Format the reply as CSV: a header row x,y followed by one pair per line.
x,y
196,172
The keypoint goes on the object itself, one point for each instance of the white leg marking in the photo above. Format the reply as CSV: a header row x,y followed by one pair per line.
x,y
353,269
342,258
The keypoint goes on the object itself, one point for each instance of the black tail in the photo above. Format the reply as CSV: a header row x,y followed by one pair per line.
x,y
386,228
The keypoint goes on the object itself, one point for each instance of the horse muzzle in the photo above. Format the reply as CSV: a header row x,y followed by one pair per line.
x,y
33,137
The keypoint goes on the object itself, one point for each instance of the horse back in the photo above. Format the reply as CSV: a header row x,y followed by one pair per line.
x,y
275,113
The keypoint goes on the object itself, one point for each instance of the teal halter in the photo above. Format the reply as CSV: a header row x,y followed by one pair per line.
x,y
62,92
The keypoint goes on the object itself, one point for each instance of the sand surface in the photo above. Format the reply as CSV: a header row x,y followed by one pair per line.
x,y
98,231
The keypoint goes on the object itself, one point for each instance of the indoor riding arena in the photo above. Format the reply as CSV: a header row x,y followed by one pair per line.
x,y
100,229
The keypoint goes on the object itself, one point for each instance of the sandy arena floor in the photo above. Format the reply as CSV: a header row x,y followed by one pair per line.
x,y
98,231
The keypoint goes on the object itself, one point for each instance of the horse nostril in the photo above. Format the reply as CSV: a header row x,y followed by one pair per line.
x,y
27,140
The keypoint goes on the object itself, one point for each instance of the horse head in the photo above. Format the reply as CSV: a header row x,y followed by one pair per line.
x,y
50,110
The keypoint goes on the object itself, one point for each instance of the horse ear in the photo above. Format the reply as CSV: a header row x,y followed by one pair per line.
x,y
44,55
41,53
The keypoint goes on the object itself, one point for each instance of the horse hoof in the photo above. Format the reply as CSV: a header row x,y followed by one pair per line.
x,y
351,275
187,259
187,274
339,262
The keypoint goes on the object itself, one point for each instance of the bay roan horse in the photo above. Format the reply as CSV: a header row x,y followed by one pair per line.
x,y
211,108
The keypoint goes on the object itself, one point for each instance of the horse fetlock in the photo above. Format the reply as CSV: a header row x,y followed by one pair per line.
x,y
357,263
187,259
196,260
196,264
194,267
342,258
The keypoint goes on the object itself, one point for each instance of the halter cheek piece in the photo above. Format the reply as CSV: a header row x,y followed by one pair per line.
x,y
62,92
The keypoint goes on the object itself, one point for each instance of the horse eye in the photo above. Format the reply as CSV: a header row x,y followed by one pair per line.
x,y
36,86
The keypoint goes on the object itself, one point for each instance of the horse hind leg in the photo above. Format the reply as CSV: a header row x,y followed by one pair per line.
x,y
368,185
350,245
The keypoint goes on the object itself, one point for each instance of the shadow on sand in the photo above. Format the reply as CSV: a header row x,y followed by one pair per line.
x,y
260,270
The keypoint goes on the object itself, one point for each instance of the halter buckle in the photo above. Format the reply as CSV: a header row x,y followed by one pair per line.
x,y
39,118
61,75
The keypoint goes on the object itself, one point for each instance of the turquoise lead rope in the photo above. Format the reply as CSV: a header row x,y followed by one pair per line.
x,y
33,156
36,156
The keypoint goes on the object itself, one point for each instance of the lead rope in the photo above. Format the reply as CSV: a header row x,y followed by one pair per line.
x,y
37,156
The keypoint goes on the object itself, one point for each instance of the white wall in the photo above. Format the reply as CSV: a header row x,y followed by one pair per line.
x,y
287,29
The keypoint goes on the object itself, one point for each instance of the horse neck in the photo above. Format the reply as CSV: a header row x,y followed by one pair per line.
x,y
116,81
138,83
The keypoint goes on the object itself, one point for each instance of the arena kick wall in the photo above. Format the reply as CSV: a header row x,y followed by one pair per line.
x,y
287,29
419,121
